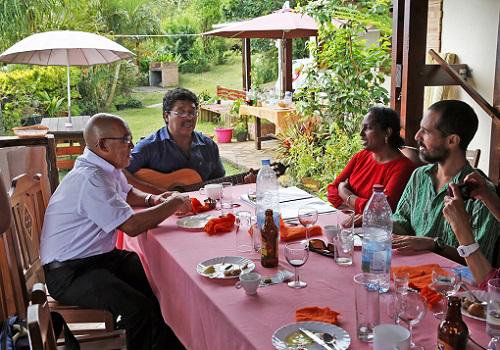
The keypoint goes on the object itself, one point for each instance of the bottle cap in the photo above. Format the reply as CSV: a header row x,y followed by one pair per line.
x,y
266,162
378,188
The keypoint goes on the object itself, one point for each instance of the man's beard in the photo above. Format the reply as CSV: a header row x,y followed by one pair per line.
x,y
438,155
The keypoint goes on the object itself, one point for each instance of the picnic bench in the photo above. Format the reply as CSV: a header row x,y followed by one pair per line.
x,y
210,112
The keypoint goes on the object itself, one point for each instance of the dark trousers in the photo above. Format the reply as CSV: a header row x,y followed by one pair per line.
x,y
114,281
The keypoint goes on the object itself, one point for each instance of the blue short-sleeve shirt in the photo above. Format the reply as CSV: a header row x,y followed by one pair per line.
x,y
159,152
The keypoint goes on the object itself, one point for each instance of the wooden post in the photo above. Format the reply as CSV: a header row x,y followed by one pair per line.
x,y
286,66
413,83
397,53
494,170
246,64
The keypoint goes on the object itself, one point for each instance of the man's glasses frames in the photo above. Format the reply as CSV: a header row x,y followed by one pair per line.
x,y
183,114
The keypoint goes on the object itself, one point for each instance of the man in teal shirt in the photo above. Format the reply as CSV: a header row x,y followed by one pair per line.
x,y
419,225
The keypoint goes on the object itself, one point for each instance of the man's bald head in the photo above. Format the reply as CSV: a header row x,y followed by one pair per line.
x,y
103,125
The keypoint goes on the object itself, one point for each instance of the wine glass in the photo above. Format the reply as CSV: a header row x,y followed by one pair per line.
x,y
411,310
493,314
296,253
445,281
307,217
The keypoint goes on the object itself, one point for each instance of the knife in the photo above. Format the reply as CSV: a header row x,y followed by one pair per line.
x,y
315,338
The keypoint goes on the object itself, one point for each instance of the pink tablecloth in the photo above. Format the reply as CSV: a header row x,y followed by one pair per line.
x,y
212,314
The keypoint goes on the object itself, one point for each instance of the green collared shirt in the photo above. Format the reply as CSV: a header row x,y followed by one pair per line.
x,y
420,211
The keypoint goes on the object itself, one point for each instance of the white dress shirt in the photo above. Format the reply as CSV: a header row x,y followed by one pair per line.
x,y
85,210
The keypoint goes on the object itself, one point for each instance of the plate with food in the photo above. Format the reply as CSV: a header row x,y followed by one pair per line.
x,y
194,222
291,336
472,308
225,267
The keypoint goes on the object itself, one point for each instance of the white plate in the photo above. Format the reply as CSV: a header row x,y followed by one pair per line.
x,y
343,340
222,263
195,222
481,295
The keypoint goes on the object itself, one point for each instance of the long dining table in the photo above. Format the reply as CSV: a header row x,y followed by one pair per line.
x,y
211,314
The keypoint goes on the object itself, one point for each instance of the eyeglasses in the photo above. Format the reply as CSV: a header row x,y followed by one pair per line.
x,y
125,139
318,246
183,114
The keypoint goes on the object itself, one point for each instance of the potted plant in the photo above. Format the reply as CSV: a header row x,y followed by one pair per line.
x,y
223,134
241,129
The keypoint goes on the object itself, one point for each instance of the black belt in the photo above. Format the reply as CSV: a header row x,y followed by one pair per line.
x,y
56,264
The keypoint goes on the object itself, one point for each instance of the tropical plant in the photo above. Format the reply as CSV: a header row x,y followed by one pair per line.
x,y
344,81
50,105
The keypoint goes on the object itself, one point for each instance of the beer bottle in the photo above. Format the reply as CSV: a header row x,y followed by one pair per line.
x,y
269,241
452,332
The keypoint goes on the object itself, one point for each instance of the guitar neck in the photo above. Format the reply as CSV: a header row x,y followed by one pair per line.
x,y
234,179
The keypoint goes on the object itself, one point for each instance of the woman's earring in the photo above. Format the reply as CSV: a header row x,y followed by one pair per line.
x,y
386,138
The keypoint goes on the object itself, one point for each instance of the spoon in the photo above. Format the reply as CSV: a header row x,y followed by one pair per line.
x,y
328,339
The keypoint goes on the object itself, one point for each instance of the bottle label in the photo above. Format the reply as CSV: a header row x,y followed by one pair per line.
x,y
442,345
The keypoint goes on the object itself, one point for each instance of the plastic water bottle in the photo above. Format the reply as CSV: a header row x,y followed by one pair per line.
x,y
377,238
267,194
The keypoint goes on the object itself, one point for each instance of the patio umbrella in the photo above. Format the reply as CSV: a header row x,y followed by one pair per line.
x,y
282,24
65,48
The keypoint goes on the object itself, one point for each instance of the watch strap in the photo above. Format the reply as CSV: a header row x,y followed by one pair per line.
x,y
466,250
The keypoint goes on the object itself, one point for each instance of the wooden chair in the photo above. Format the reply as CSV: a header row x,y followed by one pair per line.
x,y
412,154
28,203
472,156
41,330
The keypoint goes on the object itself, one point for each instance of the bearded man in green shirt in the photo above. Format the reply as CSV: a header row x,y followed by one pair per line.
x,y
419,225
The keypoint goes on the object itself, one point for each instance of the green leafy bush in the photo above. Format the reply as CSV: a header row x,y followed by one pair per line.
x,y
343,83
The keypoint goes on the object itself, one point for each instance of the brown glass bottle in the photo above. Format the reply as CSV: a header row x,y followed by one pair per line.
x,y
453,332
269,244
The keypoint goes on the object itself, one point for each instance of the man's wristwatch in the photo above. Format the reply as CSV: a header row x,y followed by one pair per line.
x,y
438,245
465,250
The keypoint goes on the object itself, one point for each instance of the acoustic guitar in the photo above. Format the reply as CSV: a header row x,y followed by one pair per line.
x,y
187,180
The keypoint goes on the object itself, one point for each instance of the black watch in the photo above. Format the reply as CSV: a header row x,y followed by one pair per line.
x,y
438,245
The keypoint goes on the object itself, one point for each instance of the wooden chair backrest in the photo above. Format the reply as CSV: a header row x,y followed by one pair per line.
x,y
28,203
40,328
472,156
230,94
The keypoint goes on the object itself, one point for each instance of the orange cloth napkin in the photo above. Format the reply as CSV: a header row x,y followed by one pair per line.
x,y
221,224
420,278
197,207
295,233
315,313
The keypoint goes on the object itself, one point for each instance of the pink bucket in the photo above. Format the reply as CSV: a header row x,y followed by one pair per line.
x,y
224,135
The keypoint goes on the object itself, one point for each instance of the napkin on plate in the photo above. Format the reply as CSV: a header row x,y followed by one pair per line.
x,y
315,313
221,224
295,233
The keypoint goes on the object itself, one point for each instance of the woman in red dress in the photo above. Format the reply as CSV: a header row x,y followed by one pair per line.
x,y
380,162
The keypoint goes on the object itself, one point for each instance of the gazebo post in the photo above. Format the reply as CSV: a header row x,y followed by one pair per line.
x,y
246,64
286,65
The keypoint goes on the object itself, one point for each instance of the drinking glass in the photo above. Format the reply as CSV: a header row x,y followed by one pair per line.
x,y
367,302
244,241
307,217
493,314
445,281
411,310
401,281
344,245
226,201
296,253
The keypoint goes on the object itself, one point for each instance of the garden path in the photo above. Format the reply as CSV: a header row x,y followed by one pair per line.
x,y
244,154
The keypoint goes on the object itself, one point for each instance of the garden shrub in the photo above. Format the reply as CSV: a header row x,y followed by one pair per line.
x,y
344,81
20,88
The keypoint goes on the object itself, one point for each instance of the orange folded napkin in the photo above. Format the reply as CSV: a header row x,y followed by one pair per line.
x,y
295,233
221,224
315,313
197,207
420,275
420,278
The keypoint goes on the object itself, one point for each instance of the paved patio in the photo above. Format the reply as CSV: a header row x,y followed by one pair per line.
x,y
244,154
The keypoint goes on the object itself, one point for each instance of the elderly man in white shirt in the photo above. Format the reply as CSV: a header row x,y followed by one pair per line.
x,y
77,249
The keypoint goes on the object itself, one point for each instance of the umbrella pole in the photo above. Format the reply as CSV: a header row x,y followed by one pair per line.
x,y
69,123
